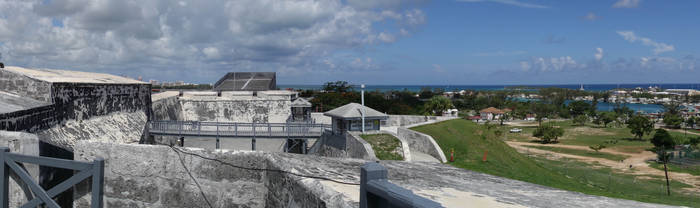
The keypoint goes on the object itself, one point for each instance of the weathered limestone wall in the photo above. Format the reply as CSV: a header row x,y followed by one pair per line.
x,y
25,86
421,142
153,176
406,120
84,100
166,106
320,118
349,145
405,149
120,127
30,120
358,147
234,109
26,144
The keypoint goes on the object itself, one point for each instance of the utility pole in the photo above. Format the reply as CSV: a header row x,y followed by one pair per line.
x,y
362,95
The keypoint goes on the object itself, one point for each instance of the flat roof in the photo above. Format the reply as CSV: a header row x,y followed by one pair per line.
x,y
66,76
11,102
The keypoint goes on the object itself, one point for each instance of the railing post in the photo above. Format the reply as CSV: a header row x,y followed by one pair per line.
x,y
217,135
97,182
235,129
252,142
303,147
269,129
368,172
4,180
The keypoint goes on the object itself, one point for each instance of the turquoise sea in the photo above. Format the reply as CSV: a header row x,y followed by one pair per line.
x,y
588,87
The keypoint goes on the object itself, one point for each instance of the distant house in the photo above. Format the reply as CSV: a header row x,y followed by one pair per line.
x,y
530,117
491,113
349,118
451,112
474,118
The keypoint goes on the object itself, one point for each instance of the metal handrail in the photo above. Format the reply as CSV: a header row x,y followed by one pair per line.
x,y
94,170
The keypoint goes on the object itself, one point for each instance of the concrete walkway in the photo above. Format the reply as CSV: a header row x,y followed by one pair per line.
x,y
422,157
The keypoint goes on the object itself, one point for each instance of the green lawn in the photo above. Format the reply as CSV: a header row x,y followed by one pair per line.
x,y
692,170
587,153
470,141
614,137
384,146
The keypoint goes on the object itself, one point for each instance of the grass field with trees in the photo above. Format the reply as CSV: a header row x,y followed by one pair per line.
x,y
470,141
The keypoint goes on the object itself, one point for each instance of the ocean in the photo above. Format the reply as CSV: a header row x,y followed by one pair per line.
x,y
587,87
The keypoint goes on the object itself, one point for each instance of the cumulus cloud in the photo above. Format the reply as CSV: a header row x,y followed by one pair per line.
x,y
551,64
591,16
509,2
658,47
162,37
598,54
626,4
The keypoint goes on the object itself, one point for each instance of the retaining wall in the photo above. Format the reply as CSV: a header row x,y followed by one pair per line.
x,y
84,100
320,118
406,120
25,86
259,110
348,145
358,147
119,127
166,106
421,142
154,176
30,120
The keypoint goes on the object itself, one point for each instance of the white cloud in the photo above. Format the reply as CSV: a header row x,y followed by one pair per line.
x,y
658,47
598,54
509,2
626,4
591,16
386,37
211,53
149,37
551,64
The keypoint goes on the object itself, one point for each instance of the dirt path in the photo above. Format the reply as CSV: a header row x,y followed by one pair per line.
x,y
683,131
637,160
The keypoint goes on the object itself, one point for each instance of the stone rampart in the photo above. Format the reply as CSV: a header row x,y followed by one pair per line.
x,y
155,176
120,127
227,109
358,148
84,100
422,143
22,85
406,120
30,120
166,106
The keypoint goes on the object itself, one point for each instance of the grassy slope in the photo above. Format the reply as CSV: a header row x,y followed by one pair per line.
x,y
591,134
384,146
587,153
469,142
692,170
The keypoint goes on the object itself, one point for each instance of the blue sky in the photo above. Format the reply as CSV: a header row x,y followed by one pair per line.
x,y
454,42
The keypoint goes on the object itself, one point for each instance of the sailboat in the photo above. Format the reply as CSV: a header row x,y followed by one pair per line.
x,y
581,87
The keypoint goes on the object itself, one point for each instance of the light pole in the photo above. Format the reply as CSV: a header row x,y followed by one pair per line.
x,y
362,96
